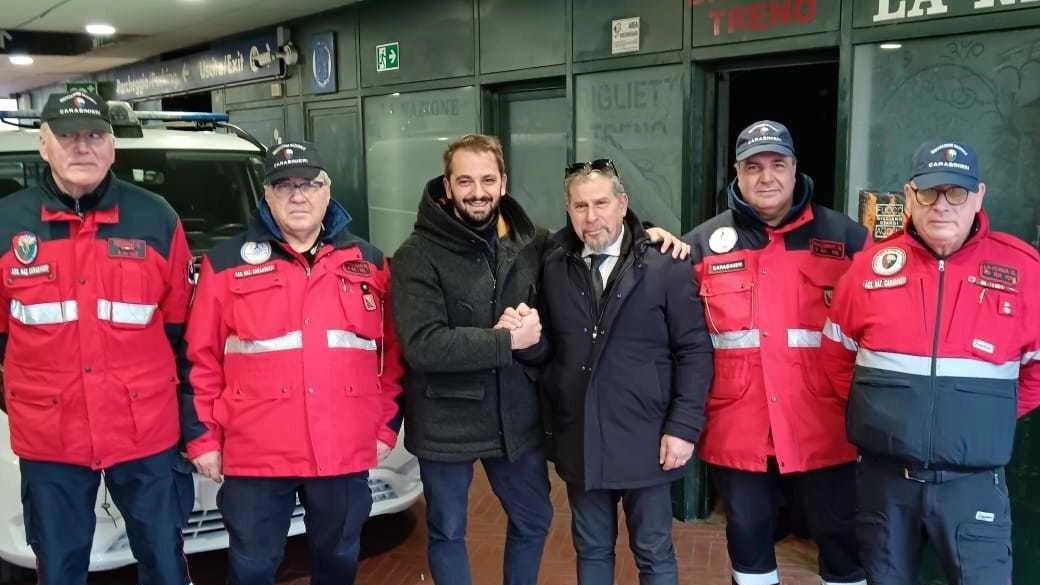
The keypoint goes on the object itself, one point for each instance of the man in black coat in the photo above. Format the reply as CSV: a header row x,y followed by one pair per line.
x,y
629,373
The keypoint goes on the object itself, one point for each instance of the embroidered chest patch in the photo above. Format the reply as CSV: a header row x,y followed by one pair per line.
x,y
877,283
357,267
254,271
126,248
999,273
827,248
723,267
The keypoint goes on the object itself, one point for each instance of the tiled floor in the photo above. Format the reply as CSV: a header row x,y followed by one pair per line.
x,y
394,551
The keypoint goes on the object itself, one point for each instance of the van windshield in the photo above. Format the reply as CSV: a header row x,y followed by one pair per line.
x,y
213,192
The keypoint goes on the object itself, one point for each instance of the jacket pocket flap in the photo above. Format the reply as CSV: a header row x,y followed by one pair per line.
x,y
824,273
32,394
720,286
253,284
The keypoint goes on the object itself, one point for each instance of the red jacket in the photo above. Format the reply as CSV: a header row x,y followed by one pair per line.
x,y
91,307
765,292
295,368
936,356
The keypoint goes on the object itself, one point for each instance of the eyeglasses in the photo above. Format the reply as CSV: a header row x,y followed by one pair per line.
x,y
954,195
599,165
286,188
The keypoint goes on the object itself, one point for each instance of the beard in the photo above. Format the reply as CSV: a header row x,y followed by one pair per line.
x,y
484,217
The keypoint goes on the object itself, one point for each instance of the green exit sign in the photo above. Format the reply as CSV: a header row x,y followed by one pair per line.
x,y
388,57
80,85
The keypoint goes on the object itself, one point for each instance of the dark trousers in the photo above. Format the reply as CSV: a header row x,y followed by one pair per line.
x,y
752,500
154,495
522,486
257,512
967,518
648,516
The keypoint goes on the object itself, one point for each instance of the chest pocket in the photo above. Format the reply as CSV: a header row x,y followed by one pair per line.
x,y
985,322
363,300
817,279
131,293
729,301
258,307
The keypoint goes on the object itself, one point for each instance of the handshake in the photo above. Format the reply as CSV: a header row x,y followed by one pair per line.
x,y
523,324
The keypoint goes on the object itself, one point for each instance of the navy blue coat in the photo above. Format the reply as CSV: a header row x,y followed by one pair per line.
x,y
645,372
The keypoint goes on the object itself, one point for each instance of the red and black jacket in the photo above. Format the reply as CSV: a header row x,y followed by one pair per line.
x,y
295,367
93,299
765,292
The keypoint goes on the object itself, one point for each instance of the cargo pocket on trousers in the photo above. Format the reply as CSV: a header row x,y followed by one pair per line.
x,y
984,552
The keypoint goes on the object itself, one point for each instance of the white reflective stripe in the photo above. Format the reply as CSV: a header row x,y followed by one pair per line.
x,y
803,338
44,313
339,338
128,313
291,340
743,339
770,578
945,367
833,332
1030,356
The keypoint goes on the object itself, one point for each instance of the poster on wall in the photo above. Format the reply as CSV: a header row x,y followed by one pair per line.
x,y
321,72
882,212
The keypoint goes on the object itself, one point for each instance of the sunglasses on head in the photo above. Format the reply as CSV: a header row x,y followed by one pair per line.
x,y
600,165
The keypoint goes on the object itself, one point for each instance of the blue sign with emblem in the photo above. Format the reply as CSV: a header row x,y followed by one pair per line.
x,y
321,63
234,61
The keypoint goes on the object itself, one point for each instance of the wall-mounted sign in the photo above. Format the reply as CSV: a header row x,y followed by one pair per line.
x,y
71,86
388,57
725,21
321,76
878,12
624,35
882,212
234,61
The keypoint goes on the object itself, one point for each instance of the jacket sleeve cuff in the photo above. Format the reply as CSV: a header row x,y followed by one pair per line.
x,y
505,347
204,444
684,432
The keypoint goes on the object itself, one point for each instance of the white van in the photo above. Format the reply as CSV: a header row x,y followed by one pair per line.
x,y
213,179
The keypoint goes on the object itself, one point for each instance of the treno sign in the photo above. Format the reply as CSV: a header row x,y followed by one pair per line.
x,y
879,12
727,21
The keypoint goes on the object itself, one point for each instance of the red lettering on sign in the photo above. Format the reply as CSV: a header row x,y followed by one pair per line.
x,y
759,16
805,11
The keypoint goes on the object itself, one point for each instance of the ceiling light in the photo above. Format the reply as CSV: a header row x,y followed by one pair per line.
x,y
20,60
101,30
890,46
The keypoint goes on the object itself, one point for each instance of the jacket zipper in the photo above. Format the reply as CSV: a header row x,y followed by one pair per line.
x,y
935,363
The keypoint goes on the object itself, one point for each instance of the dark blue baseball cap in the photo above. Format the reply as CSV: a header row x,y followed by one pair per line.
x,y
945,163
764,136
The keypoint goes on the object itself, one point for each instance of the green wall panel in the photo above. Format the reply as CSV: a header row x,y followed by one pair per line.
x,y
517,35
405,137
435,36
660,26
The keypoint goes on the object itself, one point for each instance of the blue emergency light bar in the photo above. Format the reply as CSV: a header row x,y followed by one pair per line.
x,y
161,116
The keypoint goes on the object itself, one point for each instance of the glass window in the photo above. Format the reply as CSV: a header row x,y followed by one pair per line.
x,y
980,88
635,117
405,139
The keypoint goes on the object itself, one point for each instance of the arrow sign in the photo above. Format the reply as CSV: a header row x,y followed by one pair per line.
x,y
4,37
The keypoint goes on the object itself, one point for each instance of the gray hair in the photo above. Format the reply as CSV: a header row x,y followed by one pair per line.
x,y
585,174
324,178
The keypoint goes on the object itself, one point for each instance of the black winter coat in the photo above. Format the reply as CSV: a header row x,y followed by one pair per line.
x,y
465,395
616,384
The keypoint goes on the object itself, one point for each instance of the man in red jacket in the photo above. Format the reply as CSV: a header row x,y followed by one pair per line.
x,y
933,339
93,295
767,268
295,370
